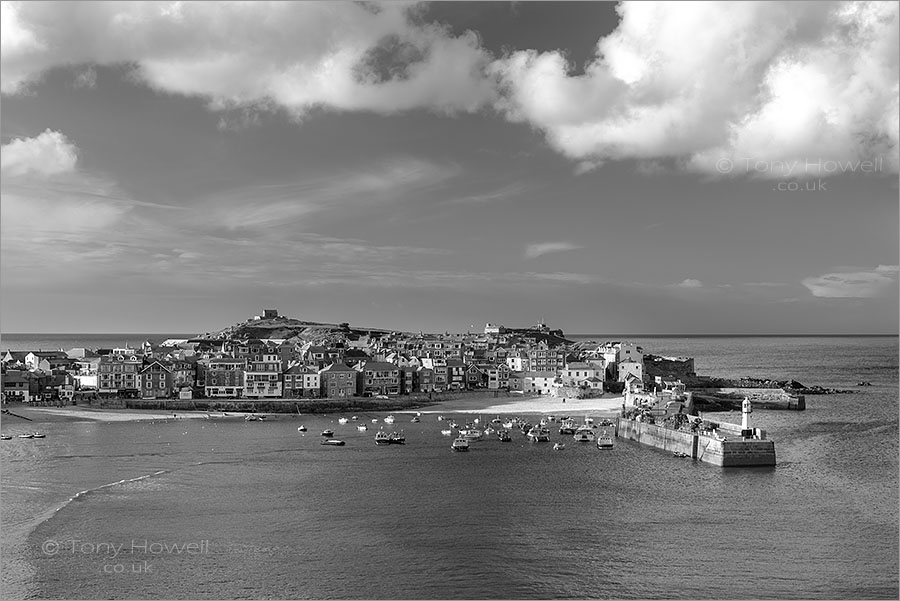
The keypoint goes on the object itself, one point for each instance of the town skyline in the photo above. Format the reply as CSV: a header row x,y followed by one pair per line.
x,y
602,167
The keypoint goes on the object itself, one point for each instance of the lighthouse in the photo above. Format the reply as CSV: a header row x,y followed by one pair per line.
x,y
746,410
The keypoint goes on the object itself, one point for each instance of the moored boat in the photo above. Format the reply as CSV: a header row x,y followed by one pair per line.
x,y
28,435
584,434
604,441
504,436
558,446
334,442
389,419
446,432
381,437
343,420
38,435
567,427
538,434
328,433
301,429
5,437
362,427
396,438
460,444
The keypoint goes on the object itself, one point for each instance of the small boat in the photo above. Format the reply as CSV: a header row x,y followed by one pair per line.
x,y
538,434
301,429
488,431
5,437
389,419
471,434
374,420
584,434
29,435
446,432
454,425
679,454
496,420
460,444
333,442
509,425
415,420
440,418
567,427
504,436
252,418
381,437
604,441
328,433
343,420
558,446
396,438
362,427
38,435
354,418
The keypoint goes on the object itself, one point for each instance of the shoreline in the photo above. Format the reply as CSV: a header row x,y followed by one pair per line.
x,y
500,406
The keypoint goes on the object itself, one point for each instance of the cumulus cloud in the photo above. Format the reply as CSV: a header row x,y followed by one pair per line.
x,y
722,88
49,153
297,55
690,283
856,284
536,250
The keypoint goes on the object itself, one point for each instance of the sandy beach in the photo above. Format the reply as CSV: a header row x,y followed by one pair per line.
x,y
479,404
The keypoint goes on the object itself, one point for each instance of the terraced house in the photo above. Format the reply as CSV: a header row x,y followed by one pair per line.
x,y
118,374
224,378
377,378
155,380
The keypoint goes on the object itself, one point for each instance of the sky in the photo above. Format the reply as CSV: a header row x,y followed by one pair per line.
x,y
635,168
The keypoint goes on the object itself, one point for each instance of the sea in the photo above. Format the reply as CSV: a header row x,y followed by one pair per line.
x,y
230,509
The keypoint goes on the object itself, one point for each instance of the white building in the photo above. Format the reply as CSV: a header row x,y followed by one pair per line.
x,y
630,368
262,379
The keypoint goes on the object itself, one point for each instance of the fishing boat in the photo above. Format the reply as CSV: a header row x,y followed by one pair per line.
x,y
343,420
396,438
538,434
460,444
471,434
333,442
328,433
584,434
381,437
301,429
604,441
504,436
362,427
567,427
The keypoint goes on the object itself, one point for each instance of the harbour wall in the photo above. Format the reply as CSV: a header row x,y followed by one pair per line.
x,y
730,450
762,398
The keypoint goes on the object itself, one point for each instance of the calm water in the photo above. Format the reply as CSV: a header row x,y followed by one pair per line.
x,y
284,517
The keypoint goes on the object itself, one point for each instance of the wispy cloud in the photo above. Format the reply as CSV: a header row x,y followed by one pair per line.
x,y
536,250
268,205
855,284
507,191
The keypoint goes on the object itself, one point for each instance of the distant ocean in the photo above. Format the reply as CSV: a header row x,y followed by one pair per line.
x,y
273,514
53,342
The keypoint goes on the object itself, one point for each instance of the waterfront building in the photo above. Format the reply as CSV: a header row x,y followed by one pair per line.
x,y
118,374
292,382
338,381
439,367
540,382
456,374
408,383
17,385
377,378
626,368
262,377
574,373
155,379
424,379
224,378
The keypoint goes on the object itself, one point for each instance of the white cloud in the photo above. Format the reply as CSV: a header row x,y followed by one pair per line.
x,y
856,284
690,283
297,55
700,82
49,153
536,250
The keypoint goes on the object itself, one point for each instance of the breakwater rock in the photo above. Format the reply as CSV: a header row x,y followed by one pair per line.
x,y
789,386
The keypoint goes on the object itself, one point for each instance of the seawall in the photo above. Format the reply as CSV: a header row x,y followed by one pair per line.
x,y
707,399
730,450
